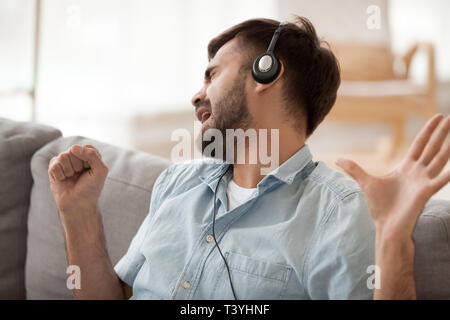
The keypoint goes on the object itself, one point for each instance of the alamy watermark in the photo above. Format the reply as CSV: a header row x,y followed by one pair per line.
x,y
374,280
74,278
237,146
373,21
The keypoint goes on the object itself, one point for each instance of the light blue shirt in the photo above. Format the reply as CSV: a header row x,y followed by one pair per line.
x,y
305,233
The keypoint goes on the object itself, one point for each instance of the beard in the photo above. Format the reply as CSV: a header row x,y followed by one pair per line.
x,y
231,112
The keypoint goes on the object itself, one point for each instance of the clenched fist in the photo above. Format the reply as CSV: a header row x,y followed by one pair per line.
x,y
77,177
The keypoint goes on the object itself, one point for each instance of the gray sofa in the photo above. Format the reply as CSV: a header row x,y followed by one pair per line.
x,y
32,254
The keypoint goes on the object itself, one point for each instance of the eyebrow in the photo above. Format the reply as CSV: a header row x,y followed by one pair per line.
x,y
209,70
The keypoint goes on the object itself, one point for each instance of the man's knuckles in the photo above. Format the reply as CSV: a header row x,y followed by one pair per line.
x,y
86,151
77,164
64,160
61,166
91,147
94,157
55,170
67,164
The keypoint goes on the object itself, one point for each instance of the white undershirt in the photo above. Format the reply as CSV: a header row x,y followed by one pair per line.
x,y
237,195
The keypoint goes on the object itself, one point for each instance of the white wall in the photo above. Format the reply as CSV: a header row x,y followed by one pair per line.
x,y
343,20
403,22
16,44
104,61
422,20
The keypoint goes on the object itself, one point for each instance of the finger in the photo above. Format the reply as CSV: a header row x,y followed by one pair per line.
x,y
52,176
354,170
77,163
85,164
52,162
66,165
423,137
439,161
91,156
55,171
435,143
440,181
59,172
92,147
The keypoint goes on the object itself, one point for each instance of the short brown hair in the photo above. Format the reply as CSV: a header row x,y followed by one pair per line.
x,y
311,72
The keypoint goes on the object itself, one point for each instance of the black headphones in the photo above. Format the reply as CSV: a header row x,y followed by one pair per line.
x,y
267,67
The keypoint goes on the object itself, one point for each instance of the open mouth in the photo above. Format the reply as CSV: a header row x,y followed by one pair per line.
x,y
203,114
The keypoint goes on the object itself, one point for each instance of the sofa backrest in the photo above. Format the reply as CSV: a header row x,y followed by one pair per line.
x,y
123,204
18,142
432,251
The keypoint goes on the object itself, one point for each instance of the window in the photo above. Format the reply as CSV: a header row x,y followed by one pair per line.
x,y
104,61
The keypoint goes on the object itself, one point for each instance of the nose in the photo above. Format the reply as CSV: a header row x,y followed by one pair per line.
x,y
198,97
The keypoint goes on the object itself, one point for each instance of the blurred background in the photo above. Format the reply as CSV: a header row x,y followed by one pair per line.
x,y
124,72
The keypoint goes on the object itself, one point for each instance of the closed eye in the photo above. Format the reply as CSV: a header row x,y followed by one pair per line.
x,y
210,71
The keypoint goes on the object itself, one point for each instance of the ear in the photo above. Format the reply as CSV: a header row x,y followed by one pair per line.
x,y
260,87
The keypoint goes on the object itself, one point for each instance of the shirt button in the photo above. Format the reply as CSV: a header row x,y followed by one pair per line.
x,y
209,238
186,285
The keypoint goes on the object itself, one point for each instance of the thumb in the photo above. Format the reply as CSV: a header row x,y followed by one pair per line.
x,y
91,156
353,170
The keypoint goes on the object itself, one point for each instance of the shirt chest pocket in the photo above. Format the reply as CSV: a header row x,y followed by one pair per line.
x,y
252,278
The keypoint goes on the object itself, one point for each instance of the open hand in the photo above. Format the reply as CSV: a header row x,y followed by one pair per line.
x,y
396,200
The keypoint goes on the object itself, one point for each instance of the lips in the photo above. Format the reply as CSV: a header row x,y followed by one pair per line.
x,y
203,114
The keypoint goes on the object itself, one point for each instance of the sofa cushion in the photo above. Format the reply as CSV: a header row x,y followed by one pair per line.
x,y
123,204
432,243
18,142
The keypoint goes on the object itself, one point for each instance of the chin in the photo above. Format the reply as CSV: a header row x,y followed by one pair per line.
x,y
208,124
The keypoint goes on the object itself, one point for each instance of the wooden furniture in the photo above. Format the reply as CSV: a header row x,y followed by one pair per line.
x,y
372,91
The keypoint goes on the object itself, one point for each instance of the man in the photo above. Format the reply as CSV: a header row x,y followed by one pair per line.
x,y
303,231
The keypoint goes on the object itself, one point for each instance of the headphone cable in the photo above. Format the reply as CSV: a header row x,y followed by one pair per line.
x,y
214,234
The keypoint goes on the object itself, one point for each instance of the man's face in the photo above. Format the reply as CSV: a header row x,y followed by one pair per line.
x,y
221,103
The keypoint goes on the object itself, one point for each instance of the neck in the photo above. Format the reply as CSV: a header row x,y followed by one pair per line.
x,y
249,175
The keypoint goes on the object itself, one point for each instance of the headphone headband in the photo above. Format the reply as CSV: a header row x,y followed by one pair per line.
x,y
276,34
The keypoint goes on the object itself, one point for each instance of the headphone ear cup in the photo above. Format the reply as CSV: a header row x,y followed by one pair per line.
x,y
266,75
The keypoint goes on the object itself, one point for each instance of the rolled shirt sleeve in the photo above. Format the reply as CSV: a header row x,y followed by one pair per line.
x,y
342,251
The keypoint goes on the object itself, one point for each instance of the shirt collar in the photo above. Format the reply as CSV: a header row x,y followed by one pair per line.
x,y
286,172
292,166
221,167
